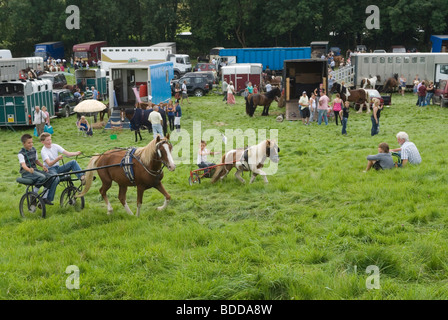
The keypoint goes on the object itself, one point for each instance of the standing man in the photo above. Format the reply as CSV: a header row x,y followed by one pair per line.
x,y
185,92
322,108
156,122
225,85
421,90
39,120
408,151
268,87
95,93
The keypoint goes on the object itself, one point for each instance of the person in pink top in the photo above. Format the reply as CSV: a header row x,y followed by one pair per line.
x,y
323,108
337,106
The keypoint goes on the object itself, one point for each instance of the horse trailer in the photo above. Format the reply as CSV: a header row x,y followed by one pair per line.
x,y
5,54
92,78
299,76
242,73
10,68
428,66
18,100
126,81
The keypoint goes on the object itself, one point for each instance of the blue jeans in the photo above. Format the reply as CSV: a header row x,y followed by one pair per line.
x,y
69,166
429,96
322,113
39,177
375,126
421,101
344,125
157,129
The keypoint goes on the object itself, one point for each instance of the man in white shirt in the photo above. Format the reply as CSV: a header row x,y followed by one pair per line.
x,y
184,92
268,87
50,156
39,120
157,122
408,151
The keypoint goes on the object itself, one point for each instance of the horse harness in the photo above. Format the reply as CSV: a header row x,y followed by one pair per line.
x,y
244,160
128,165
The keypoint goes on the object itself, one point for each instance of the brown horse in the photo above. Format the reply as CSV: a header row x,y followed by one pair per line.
x,y
391,84
359,96
148,163
262,99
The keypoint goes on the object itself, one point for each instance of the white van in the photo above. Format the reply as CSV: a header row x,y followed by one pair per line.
x,y
5,54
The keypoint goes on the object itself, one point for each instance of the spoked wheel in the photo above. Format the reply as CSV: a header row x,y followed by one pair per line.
x,y
68,198
31,206
196,179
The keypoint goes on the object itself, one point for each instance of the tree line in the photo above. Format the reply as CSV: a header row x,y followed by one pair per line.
x,y
223,23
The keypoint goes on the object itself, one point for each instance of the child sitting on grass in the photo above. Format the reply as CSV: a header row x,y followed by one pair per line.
x,y
382,160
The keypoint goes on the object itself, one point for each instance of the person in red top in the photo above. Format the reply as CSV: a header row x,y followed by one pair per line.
x,y
422,95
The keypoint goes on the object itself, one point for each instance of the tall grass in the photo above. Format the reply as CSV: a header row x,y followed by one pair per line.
x,y
309,234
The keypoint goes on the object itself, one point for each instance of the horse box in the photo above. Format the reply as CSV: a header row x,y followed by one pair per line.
x,y
241,73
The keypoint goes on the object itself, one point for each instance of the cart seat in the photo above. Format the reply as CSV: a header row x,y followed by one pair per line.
x,y
27,182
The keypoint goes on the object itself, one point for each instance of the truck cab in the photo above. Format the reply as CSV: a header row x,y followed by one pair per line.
x,y
181,62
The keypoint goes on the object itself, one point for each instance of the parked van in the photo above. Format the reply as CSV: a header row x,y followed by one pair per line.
x,y
441,93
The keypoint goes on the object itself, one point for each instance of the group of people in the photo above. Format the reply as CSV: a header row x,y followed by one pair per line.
x,y
51,155
407,152
424,90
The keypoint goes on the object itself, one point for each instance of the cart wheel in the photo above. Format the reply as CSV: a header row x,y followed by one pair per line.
x,y
32,206
196,179
68,198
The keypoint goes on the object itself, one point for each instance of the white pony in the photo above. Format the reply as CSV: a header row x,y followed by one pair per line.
x,y
251,159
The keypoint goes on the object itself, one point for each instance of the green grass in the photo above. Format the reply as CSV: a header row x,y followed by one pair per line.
x,y
309,234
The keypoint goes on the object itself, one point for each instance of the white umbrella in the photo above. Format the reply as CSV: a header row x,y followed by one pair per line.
x,y
90,106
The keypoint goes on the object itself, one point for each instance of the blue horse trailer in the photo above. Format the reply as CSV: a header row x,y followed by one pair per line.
x,y
18,100
272,57
439,43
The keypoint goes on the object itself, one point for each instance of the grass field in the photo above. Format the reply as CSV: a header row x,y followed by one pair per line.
x,y
309,234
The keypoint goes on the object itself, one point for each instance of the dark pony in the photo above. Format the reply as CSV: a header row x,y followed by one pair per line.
x,y
359,96
147,163
262,99
391,84
135,117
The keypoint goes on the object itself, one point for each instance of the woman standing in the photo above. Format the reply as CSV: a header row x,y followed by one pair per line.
x,y
47,120
402,86
337,107
231,93
429,93
170,111
375,117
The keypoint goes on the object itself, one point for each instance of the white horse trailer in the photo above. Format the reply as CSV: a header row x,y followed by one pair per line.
x,y
10,68
428,66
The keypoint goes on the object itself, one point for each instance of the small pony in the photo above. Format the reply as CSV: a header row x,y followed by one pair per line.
x,y
251,159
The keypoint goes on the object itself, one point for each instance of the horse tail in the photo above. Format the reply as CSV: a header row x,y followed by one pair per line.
x,y
247,107
219,170
252,107
89,176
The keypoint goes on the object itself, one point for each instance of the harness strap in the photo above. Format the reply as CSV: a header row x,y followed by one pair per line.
x,y
127,165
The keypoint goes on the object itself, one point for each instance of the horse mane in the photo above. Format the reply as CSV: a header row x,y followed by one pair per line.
x,y
273,93
146,153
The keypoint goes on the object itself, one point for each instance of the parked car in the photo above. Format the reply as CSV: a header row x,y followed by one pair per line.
x,y
64,102
197,84
206,67
212,79
384,100
361,48
58,79
379,51
441,93
398,49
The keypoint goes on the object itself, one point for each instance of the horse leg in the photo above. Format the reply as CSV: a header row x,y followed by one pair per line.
x,y
140,191
238,176
256,173
162,190
139,133
103,192
122,197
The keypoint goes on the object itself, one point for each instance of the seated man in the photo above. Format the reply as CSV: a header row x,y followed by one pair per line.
x,y
408,151
382,160
50,156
